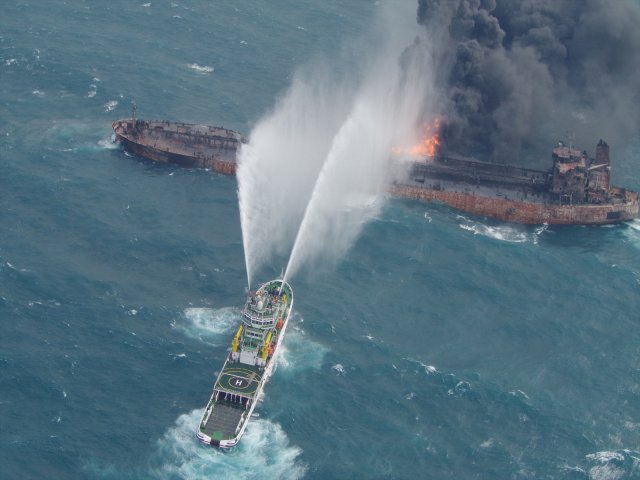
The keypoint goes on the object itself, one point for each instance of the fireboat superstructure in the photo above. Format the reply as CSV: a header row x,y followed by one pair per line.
x,y
248,366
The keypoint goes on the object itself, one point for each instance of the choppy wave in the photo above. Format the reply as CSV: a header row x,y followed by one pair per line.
x,y
108,143
614,465
110,106
201,68
298,352
264,452
505,233
632,231
209,324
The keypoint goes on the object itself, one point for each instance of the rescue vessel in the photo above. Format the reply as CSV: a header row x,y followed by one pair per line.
x,y
248,366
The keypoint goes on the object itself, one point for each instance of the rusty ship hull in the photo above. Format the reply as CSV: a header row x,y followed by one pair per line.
x,y
522,195
529,213
185,144
575,191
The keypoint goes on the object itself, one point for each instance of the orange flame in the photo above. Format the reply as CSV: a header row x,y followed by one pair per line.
x,y
428,146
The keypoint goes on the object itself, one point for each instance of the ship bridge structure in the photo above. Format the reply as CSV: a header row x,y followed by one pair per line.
x,y
576,190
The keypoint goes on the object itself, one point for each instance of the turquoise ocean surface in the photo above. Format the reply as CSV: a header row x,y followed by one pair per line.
x,y
441,346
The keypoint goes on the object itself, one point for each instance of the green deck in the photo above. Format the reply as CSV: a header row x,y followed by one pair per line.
x,y
239,378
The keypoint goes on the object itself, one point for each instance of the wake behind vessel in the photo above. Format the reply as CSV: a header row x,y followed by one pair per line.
x,y
248,366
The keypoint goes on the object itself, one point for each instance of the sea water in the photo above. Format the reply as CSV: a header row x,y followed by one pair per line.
x,y
441,345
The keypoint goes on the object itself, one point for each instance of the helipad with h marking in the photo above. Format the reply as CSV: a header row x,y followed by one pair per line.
x,y
240,379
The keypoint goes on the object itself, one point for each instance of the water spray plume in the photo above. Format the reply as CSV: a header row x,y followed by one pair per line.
x,y
316,167
277,168
357,171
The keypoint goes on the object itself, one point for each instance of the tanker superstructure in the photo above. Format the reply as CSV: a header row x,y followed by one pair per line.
x,y
576,190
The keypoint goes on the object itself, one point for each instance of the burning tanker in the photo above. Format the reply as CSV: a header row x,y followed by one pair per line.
x,y
575,190
500,68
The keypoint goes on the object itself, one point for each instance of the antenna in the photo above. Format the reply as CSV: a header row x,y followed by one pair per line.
x,y
570,138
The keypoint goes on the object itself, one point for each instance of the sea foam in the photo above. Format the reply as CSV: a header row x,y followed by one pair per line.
x,y
264,452
503,233
209,324
201,68
298,352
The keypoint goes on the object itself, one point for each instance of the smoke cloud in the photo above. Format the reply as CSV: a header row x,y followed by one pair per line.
x,y
514,76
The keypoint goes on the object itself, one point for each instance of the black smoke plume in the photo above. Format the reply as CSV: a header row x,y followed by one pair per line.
x,y
517,75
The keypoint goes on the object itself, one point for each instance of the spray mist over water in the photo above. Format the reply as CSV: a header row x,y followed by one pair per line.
x,y
278,167
316,167
357,170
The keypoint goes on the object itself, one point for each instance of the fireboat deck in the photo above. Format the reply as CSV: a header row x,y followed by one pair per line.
x,y
223,422
239,378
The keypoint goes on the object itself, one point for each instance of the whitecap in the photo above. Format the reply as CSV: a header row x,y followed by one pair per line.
x,y
503,233
38,93
210,323
110,106
538,232
632,232
487,443
10,61
631,425
429,369
606,472
460,389
146,5
93,89
338,368
108,143
605,457
298,353
201,68
519,394
264,452
569,468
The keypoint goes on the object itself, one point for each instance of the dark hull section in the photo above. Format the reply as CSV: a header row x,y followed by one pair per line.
x,y
188,145
222,166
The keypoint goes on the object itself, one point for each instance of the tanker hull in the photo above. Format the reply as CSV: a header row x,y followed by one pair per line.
x,y
574,191
523,212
